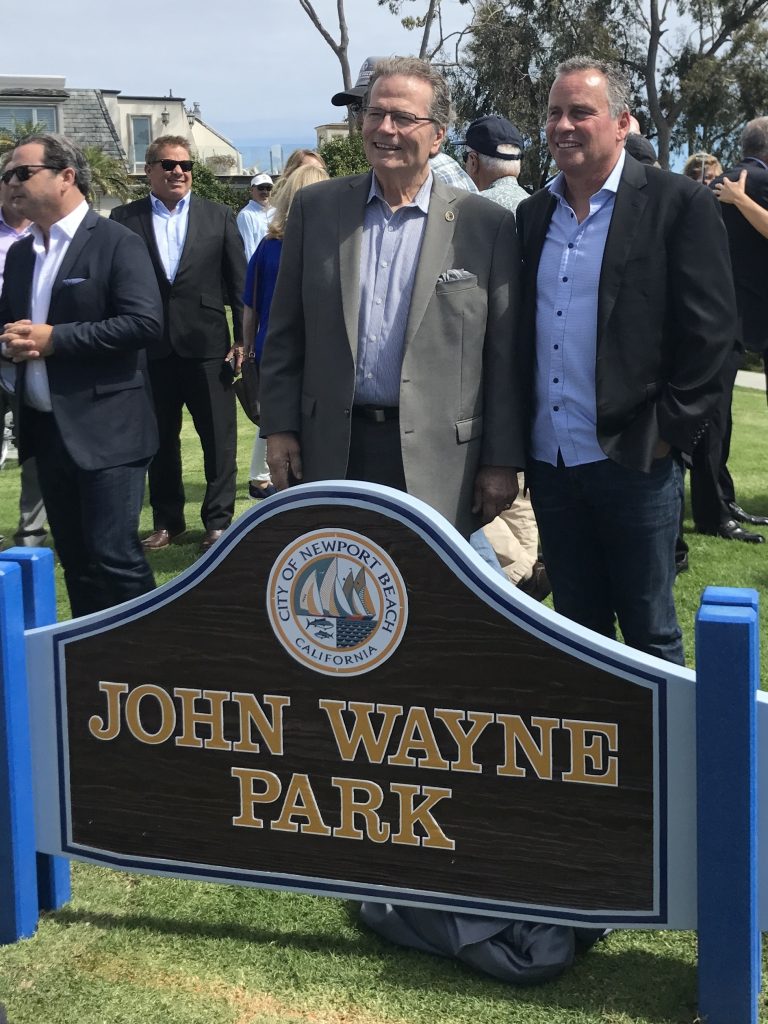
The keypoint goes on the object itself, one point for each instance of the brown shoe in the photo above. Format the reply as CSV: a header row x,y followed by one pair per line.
x,y
160,539
209,538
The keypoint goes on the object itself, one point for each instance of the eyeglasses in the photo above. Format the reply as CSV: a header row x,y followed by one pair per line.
x,y
263,188
169,165
400,118
466,155
25,171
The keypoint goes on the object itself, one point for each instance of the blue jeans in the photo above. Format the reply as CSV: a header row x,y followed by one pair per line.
x,y
608,539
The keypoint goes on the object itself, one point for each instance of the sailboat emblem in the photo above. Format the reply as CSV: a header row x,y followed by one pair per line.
x,y
337,602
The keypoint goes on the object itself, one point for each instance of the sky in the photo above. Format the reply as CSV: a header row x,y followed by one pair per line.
x,y
260,70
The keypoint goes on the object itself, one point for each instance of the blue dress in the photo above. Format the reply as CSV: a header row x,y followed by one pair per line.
x,y
262,267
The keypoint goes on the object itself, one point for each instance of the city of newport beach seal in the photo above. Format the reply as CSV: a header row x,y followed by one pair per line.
x,y
337,602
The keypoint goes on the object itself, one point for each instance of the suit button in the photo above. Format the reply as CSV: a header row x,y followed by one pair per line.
x,y
346,412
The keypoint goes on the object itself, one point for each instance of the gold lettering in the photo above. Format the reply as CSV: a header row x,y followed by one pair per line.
x,y
410,815
248,797
167,714
465,741
252,712
602,773
96,724
352,805
362,730
300,803
192,718
417,735
516,734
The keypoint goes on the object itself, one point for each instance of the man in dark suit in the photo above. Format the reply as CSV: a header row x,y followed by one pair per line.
x,y
79,306
629,314
197,253
713,497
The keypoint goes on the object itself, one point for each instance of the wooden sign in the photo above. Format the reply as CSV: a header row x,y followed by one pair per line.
x,y
342,698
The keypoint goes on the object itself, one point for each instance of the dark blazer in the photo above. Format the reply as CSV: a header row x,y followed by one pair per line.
x,y
749,258
106,310
211,274
666,311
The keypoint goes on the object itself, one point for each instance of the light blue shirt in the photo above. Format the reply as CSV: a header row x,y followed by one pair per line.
x,y
389,255
565,401
170,227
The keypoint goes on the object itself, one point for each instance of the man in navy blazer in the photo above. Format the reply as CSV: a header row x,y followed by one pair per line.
x,y
629,314
79,307
197,253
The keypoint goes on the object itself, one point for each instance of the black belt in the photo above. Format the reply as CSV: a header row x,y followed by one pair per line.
x,y
376,413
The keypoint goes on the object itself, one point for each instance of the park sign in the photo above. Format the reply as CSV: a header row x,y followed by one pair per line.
x,y
342,698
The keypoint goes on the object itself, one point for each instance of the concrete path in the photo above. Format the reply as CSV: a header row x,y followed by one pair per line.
x,y
750,379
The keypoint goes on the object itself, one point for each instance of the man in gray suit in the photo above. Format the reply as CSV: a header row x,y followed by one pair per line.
x,y
390,352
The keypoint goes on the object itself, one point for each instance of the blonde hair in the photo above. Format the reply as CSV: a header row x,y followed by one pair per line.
x,y
298,158
306,175
698,162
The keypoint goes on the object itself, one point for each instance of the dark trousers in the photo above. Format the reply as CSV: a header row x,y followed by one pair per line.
x,y
204,386
94,519
711,483
608,539
375,454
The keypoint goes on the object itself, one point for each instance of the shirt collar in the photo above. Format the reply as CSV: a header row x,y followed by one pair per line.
x,y
611,183
65,227
159,207
420,200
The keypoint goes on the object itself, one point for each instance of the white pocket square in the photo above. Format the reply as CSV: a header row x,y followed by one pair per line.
x,y
73,280
454,275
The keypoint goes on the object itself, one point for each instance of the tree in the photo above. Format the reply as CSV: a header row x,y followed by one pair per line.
x,y
345,155
11,137
340,48
108,174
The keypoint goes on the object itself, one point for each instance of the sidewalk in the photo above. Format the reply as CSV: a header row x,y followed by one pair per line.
x,y
750,379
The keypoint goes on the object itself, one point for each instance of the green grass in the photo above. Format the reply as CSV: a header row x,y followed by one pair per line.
x,y
131,949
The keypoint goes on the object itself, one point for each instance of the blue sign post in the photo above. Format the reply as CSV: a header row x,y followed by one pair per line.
x,y
727,661
39,594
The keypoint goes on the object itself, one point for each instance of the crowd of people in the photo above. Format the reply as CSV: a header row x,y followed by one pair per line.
x,y
539,368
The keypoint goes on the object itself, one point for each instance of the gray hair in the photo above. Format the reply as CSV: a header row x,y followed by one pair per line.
x,y
754,138
60,153
616,84
413,67
495,164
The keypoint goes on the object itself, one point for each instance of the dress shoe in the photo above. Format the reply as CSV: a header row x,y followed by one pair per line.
x,y
258,491
731,530
160,539
741,516
537,585
209,538
681,563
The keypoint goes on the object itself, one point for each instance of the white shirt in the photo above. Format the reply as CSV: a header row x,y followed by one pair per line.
x,y
47,263
253,223
170,227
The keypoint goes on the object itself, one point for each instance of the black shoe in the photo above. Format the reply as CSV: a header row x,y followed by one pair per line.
x,y
741,516
731,530
681,564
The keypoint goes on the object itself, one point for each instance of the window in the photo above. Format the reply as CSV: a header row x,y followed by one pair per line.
x,y
141,136
13,118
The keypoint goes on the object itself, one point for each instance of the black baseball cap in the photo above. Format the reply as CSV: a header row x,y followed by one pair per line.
x,y
494,136
356,94
640,148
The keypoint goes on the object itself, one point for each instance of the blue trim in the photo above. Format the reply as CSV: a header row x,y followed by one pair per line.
x,y
726,755
18,880
54,886
493,594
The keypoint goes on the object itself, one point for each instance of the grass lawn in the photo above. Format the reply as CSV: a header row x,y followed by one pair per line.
x,y
138,950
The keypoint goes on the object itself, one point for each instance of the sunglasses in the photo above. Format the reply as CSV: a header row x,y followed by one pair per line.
x,y
25,171
263,188
170,165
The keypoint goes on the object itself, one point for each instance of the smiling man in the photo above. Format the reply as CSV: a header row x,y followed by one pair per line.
x,y
629,314
390,352
199,263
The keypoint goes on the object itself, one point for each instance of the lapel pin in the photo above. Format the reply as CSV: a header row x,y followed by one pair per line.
x,y
450,215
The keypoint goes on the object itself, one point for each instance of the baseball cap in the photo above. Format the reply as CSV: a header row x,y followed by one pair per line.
x,y
261,179
354,95
494,136
640,148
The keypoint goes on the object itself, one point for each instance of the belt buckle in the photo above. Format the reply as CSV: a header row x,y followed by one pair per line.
x,y
378,415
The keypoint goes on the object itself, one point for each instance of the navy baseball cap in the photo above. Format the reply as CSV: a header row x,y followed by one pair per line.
x,y
360,88
494,136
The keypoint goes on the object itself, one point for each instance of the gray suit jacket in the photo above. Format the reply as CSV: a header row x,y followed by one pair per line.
x,y
459,401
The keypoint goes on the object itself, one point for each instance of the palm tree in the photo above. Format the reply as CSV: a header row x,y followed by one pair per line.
x,y
108,174
11,137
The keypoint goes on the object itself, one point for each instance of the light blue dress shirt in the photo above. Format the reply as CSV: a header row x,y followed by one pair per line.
x,y
170,227
565,417
389,255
